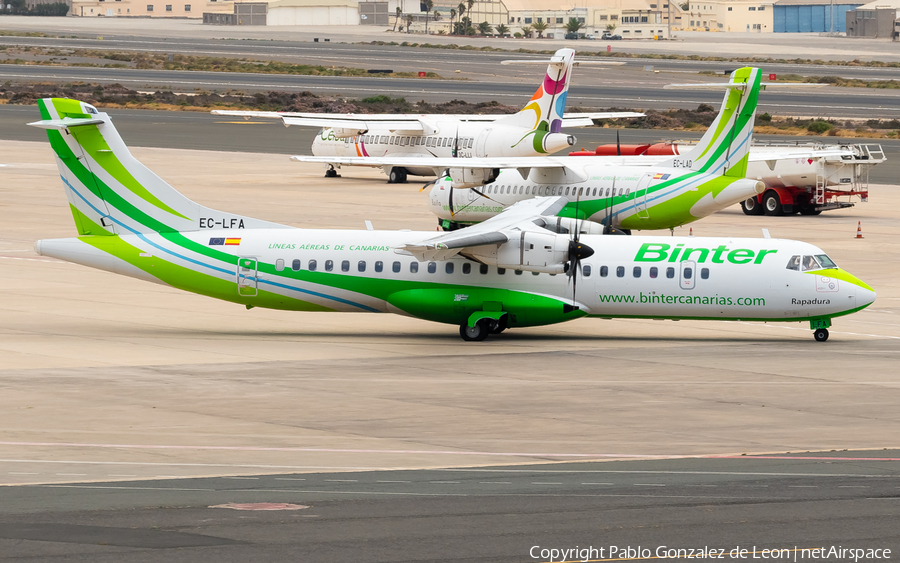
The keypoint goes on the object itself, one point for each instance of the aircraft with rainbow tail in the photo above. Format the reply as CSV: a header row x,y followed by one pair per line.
x,y
535,130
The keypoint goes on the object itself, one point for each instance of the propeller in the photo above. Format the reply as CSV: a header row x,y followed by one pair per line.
x,y
577,252
618,144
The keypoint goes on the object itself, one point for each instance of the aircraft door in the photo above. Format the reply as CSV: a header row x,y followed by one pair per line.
x,y
688,274
481,143
640,197
247,276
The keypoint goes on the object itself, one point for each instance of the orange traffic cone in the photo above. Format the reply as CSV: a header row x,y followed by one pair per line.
x,y
691,233
859,229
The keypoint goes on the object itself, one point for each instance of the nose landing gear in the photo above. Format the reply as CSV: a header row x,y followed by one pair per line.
x,y
821,334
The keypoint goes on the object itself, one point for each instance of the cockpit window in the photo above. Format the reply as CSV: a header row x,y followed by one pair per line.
x,y
810,263
825,261
794,263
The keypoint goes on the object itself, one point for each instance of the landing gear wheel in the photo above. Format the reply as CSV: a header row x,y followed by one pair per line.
x,y
821,334
475,333
772,204
331,173
751,206
397,176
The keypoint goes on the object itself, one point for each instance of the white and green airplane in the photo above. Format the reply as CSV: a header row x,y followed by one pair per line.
x,y
517,269
622,193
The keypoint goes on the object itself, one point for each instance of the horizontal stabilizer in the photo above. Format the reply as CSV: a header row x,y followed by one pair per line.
x,y
66,122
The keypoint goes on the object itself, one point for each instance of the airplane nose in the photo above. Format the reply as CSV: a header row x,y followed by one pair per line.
x,y
864,297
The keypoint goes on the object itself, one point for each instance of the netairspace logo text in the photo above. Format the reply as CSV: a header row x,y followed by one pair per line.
x,y
591,553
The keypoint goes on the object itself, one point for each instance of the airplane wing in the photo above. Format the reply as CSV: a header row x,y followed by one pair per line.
x,y
587,119
404,122
496,230
523,163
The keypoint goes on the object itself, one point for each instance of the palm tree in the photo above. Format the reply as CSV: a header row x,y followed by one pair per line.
x,y
429,4
484,28
469,4
574,25
399,15
409,21
452,16
526,31
540,27
502,30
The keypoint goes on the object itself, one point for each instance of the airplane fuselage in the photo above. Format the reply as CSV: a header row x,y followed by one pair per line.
x,y
360,271
620,196
449,139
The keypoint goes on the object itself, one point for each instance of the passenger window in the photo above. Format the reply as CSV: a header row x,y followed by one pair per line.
x,y
449,267
586,270
794,263
329,265
279,265
483,269
379,266
361,266
413,267
810,263
527,190
704,273
604,271
654,271
670,273
620,271
501,271
467,268
345,265
688,273
636,272
607,192
395,267
295,265
567,191
312,265
432,267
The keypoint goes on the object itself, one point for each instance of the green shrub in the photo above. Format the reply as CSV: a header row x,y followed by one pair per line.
x,y
819,126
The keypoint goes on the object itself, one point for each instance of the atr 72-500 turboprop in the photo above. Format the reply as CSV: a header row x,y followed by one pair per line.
x,y
518,269
535,130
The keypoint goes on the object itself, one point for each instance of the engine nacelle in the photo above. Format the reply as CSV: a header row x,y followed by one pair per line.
x,y
473,177
553,142
530,251
565,225
344,133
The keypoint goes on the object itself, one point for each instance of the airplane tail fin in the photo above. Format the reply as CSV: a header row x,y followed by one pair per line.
x,y
725,146
109,191
544,112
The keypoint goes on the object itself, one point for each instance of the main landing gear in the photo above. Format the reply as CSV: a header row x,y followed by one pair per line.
x,y
821,334
397,176
331,173
482,329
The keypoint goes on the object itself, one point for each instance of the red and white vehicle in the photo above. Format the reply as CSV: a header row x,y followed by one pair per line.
x,y
829,178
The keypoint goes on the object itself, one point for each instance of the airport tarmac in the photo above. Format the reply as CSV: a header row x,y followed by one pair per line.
x,y
111,378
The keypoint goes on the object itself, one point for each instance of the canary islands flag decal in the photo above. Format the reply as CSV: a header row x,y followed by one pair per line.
x,y
661,176
224,242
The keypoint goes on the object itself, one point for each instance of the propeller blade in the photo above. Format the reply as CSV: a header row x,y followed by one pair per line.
x,y
618,144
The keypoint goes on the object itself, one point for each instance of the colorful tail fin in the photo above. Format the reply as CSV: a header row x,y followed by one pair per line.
x,y
109,191
724,147
545,109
